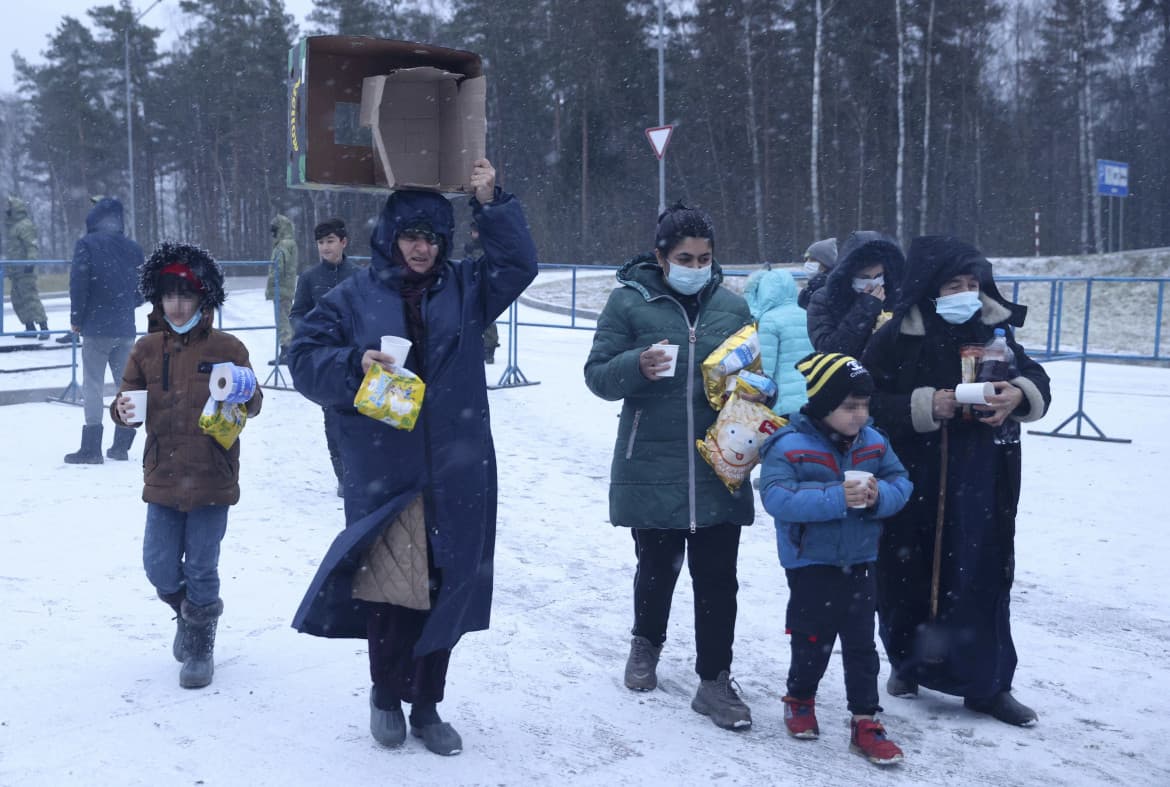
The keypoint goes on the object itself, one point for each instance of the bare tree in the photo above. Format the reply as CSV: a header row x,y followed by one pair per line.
x,y
899,175
928,60
753,133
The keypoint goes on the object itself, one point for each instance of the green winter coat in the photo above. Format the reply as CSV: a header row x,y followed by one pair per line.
x,y
658,479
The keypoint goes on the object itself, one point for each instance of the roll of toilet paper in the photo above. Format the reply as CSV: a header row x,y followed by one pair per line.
x,y
232,384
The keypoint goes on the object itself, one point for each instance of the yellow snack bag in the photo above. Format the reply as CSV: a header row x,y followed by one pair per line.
x,y
394,398
739,351
732,444
222,421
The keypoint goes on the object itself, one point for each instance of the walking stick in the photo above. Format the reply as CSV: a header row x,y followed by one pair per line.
x,y
936,568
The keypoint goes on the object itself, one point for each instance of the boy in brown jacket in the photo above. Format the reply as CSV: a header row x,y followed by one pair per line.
x,y
190,479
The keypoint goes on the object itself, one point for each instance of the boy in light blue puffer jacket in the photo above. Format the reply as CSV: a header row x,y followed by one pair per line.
x,y
783,328
827,531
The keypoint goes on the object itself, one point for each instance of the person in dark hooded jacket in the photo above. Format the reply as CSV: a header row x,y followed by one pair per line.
x,y
950,308
190,479
431,489
103,294
858,294
672,501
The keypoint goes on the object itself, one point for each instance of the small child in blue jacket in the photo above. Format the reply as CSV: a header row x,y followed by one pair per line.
x,y
827,533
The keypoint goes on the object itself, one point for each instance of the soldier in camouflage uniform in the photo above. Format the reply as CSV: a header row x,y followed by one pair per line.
x,y
22,245
283,273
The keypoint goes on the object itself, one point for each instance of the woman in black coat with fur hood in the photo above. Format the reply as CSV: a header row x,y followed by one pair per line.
x,y
951,307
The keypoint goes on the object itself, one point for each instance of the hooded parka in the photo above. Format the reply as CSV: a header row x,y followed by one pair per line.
x,y
968,652
448,457
658,478
21,239
841,320
771,296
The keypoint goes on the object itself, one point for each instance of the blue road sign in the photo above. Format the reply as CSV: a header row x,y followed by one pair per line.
x,y
1112,178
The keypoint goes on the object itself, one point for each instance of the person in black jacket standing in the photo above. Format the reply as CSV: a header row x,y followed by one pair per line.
x,y
863,285
103,294
334,268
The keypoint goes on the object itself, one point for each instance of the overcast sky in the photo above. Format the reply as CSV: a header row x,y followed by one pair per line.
x,y
28,24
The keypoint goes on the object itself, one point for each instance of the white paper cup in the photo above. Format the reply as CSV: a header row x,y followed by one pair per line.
x,y
397,348
974,393
138,402
671,351
861,476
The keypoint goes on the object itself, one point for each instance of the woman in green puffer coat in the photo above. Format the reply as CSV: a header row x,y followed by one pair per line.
x,y
660,487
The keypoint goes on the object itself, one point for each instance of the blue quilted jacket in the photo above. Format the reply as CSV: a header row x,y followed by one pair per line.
x,y
783,326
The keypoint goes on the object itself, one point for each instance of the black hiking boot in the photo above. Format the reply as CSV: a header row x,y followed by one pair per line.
x,y
642,665
719,700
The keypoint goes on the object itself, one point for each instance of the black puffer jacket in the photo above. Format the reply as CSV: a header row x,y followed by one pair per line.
x,y
841,320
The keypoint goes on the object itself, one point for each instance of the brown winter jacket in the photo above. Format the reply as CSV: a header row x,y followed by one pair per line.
x,y
182,467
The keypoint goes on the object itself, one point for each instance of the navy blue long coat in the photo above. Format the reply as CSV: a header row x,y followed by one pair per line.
x,y
968,651
448,457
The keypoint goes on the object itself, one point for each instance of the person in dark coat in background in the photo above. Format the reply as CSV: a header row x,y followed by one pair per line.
x,y
443,472
819,259
103,294
950,302
858,294
673,503
491,335
334,268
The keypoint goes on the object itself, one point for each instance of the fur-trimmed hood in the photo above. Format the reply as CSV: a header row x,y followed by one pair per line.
x,y
933,259
201,263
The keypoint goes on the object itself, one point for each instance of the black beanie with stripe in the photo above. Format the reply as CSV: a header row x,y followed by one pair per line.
x,y
830,378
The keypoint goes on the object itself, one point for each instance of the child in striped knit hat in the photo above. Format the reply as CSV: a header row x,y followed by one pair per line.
x,y
827,529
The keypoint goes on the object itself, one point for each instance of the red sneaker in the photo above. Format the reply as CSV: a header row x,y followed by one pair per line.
x,y
868,738
800,718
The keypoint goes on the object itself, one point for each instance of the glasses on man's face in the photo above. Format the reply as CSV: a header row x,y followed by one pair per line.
x,y
413,236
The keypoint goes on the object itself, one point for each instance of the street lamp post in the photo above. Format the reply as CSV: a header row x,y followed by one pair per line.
x,y
130,113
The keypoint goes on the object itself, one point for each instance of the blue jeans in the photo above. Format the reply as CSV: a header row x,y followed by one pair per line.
x,y
182,550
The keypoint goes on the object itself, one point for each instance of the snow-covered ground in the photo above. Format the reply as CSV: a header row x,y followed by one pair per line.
x,y
89,691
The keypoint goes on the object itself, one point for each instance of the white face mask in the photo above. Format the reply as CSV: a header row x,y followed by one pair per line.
x,y
958,308
812,266
686,280
859,285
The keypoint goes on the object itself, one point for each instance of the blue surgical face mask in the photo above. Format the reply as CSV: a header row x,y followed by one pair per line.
x,y
187,326
859,285
958,308
812,266
688,281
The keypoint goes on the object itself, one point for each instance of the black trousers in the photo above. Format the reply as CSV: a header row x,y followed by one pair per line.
x,y
332,438
711,554
397,675
826,602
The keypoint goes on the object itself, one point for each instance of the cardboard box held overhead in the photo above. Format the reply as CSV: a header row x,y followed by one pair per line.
x,y
369,114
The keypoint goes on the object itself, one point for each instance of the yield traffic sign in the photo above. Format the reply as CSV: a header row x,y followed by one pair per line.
x,y
659,137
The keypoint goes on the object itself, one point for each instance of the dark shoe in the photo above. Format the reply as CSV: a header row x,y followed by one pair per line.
x,y
387,726
123,438
489,358
867,737
90,452
198,658
29,332
642,665
719,700
44,335
439,737
67,338
800,717
340,489
896,687
175,602
1004,707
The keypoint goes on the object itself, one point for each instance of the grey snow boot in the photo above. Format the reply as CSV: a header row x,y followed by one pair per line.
x,y
437,735
719,700
123,438
90,452
198,664
387,726
175,602
642,665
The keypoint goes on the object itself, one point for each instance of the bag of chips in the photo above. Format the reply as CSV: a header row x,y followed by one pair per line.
x,y
394,398
223,421
739,351
732,444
